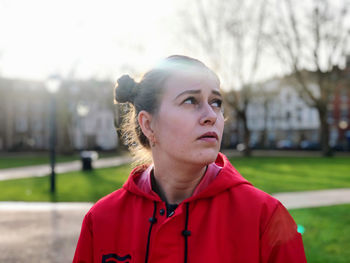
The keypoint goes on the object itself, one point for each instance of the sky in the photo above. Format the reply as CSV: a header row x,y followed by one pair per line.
x,y
92,38
86,38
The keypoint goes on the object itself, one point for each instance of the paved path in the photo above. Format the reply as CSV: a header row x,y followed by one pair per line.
x,y
317,198
39,236
43,170
291,200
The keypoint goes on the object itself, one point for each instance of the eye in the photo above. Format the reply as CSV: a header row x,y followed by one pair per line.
x,y
216,103
190,100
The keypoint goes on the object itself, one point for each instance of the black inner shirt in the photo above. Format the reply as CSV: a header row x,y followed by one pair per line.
x,y
170,208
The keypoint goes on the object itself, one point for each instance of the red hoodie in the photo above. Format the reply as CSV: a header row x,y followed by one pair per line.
x,y
228,221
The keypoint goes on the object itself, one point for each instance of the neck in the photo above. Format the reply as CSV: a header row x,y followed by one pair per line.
x,y
176,183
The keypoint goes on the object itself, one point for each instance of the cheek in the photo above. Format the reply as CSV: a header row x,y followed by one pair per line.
x,y
174,127
220,123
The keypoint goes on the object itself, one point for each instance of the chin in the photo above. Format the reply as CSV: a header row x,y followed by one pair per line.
x,y
207,157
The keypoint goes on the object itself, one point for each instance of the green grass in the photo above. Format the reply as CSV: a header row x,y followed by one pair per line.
x,y
36,159
271,174
285,174
22,159
327,233
72,186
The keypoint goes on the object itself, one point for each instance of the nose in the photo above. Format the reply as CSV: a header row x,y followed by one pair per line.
x,y
208,116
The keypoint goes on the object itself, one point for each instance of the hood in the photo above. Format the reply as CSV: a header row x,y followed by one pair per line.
x,y
228,177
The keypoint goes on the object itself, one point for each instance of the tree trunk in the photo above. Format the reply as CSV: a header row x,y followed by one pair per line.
x,y
324,132
263,137
64,123
246,137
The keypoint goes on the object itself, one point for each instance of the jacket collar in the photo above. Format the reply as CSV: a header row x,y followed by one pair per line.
x,y
226,178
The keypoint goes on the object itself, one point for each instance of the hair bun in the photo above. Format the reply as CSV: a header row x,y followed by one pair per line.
x,y
126,89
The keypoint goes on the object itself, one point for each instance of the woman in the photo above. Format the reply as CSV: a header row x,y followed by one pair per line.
x,y
188,204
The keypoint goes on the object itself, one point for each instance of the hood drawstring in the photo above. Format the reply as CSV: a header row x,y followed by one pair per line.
x,y
186,233
152,220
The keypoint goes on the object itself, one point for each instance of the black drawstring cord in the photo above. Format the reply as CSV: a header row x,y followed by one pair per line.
x,y
152,220
186,233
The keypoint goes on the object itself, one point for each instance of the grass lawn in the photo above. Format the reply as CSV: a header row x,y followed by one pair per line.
x,y
35,159
271,174
327,233
73,186
287,174
25,159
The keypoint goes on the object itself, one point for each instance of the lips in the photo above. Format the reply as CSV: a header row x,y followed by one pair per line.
x,y
209,135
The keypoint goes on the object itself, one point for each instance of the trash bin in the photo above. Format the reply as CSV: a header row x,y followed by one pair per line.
x,y
87,157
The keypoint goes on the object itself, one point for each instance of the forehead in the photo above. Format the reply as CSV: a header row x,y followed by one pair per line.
x,y
202,80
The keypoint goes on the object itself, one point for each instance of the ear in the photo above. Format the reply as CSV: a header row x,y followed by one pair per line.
x,y
145,121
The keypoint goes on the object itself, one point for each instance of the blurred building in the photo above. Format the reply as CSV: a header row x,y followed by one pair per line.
x,y
279,117
23,115
85,115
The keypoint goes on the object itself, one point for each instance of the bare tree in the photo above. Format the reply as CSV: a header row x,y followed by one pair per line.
x,y
311,39
228,34
64,120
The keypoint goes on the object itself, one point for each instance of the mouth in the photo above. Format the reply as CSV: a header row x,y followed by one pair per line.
x,y
209,136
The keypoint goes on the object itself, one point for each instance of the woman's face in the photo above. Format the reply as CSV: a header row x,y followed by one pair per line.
x,y
189,123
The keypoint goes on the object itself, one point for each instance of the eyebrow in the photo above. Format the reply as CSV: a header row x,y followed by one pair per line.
x,y
197,91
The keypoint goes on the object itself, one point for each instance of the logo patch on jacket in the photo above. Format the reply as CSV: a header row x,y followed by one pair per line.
x,y
111,258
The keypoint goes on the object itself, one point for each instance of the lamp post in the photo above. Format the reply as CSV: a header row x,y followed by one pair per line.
x,y
53,84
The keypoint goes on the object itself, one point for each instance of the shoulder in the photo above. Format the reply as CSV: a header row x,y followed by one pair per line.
x,y
269,210
241,189
254,200
108,203
250,192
